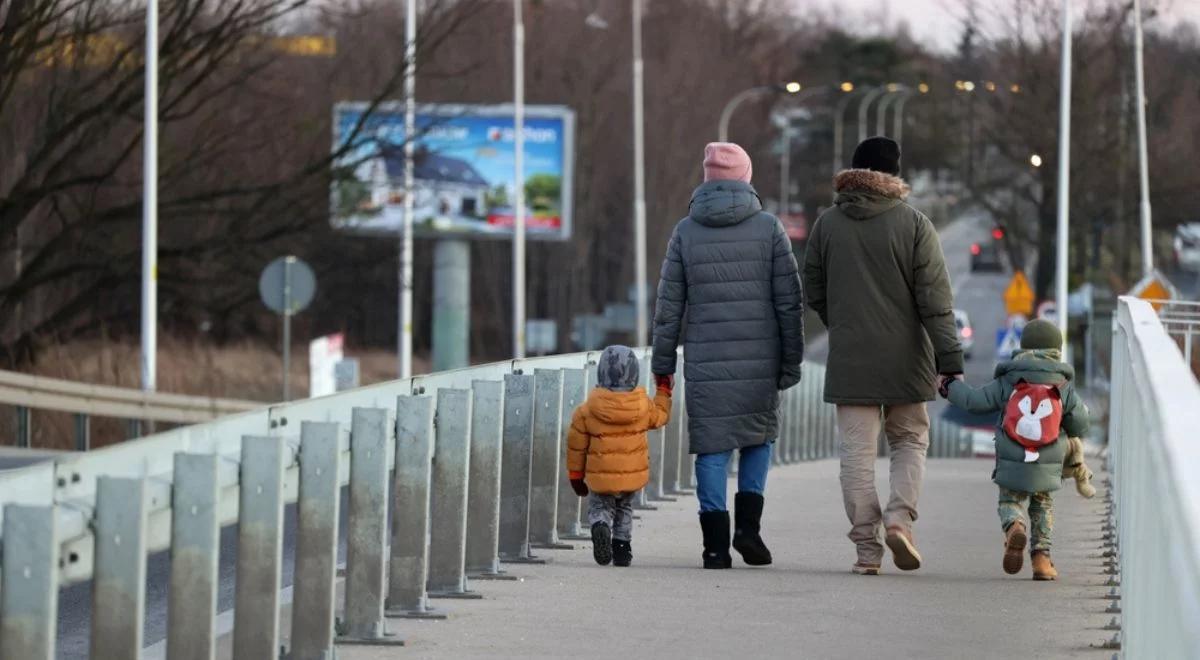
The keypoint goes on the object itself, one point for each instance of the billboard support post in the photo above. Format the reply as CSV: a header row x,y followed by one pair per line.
x,y
451,304
404,327
519,193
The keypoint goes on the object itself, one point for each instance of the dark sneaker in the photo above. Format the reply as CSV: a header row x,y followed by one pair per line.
x,y
622,553
602,549
863,568
1014,547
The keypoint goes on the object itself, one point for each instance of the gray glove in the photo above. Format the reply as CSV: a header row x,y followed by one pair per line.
x,y
789,375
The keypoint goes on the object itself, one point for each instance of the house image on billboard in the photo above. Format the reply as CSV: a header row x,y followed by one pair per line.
x,y
443,186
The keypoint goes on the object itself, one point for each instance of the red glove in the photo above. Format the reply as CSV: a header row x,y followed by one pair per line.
x,y
579,487
665,383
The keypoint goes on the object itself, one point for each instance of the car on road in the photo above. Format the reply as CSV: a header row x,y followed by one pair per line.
x,y
985,257
966,333
1187,246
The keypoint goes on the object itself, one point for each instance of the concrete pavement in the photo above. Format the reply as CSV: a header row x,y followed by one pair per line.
x,y
807,605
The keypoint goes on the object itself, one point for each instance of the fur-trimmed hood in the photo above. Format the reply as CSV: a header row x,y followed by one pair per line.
x,y
865,194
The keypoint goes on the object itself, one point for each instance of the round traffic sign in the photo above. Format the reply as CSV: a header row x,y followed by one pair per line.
x,y
287,285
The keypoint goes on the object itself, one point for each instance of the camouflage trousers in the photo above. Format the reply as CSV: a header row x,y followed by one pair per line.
x,y
1041,515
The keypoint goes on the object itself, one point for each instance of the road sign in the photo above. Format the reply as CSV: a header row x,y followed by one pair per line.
x,y
1154,286
324,353
541,336
1018,297
1008,340
287,285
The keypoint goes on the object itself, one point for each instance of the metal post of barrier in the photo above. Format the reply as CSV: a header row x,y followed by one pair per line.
x,y
195,531
260,547
687,460
448,501
23,431
795,426
515,470
590,373
656,445
672,446
133,429
366,536
315,581
29,599
409,562
779,451
574,394
119,571
483,492
83,432
544,466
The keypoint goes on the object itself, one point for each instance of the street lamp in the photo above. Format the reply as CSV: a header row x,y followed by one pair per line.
x,y
849,92
1064,171
639,182
518,251
743,96
785,157
1035,160
895,92
1143,160
864,107
150,205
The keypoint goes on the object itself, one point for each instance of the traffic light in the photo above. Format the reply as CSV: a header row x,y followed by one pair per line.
x,y
976,250
998,233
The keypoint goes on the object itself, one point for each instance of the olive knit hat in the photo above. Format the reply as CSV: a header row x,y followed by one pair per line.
x,y
1041,334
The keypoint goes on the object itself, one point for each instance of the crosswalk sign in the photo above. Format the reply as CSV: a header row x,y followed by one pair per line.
x,y
1008,340
1018,297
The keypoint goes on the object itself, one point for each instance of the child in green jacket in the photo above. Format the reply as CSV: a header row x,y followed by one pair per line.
x,y
1041,413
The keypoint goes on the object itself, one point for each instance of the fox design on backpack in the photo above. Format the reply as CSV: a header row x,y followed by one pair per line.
x,y
1033,417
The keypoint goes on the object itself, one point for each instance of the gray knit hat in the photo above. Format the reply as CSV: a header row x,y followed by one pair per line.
x,y
618,369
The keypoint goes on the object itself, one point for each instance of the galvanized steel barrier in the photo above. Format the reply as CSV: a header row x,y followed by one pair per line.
x,y
1154,460
449,476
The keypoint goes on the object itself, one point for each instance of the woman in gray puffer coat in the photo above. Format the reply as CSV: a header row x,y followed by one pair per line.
x,y
730,272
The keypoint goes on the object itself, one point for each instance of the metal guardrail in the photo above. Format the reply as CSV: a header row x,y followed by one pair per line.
x,y
478,450
1154,458
1181,319
86,400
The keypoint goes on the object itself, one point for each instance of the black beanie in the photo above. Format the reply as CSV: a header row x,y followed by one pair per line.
x,y
878,153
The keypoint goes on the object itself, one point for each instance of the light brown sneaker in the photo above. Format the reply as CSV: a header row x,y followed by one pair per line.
x,y
1014,547
1043,567
904,552
863,568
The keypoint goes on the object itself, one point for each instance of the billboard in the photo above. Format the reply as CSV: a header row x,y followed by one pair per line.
x,y
464,170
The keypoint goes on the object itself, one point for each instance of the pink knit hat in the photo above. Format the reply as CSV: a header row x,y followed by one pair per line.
x,y
726,160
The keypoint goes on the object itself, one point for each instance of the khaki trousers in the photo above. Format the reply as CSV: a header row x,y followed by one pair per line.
x,y
907,430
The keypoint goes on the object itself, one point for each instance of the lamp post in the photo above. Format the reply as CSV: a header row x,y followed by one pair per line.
x,y
518,252
894,91
150,205
639,181
1064,171
743,96
784,120
864,107
406,238
1143,160
839,122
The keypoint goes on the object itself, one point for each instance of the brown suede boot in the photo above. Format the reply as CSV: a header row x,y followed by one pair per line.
x,y
1014,547
904,551
1043,567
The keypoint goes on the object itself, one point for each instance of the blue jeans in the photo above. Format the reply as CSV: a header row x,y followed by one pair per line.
x,y
713,469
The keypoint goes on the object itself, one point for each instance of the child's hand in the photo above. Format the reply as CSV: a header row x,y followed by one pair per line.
x,y
579,487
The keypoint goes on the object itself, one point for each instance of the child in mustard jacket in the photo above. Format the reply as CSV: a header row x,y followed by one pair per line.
x,y
607,452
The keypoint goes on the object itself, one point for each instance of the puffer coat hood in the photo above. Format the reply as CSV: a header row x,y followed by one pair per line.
x,y
723,203
1039,367
729,267
607,445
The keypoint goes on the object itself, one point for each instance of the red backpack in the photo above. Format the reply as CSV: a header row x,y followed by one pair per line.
x,y
1033,416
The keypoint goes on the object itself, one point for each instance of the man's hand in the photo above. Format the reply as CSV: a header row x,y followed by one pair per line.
x,y
664,382
788,376
944,383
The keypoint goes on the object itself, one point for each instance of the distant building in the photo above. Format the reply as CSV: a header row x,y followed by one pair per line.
x,y
443,186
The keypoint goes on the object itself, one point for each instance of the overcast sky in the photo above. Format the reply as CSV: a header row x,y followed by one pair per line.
x,y
938,22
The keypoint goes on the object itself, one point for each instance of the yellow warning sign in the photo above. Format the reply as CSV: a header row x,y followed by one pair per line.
x,y
1018,297
1154,287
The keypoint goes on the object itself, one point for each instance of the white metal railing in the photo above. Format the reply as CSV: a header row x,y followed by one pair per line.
x,y
1154,457
1181,320
27,392
411,452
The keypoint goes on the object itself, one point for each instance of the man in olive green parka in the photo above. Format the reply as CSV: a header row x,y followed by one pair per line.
x,y
875,274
